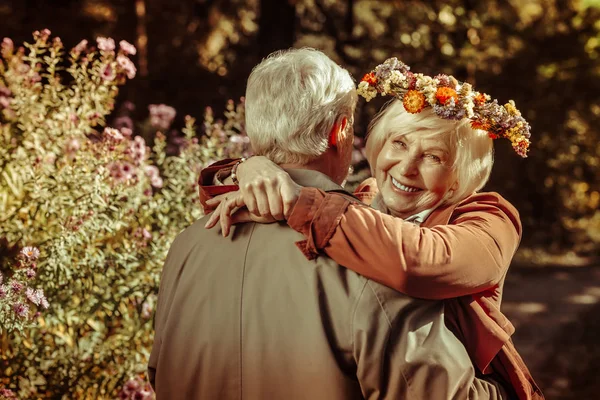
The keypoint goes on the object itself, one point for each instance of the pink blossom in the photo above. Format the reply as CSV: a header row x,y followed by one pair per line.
x,y
44,303
35,296
30,253
81,47
113,134
123,121
127,65
121,172
3,291
43,35
105,44
157,182
127,132
108,73
72,146
138,149
151,171
161,115
7,47
22,310
30,273
127,48
16,287
57,43
8,394
4,91
4,102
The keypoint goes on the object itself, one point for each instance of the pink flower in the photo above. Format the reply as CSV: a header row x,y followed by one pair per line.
x,y
123,121
4,91
157,182
151,171
121,172
80,47
43,35
127,132
108,73
113,134
127,65
146,310
22,310
105,44
36,296
72,146
3,291
127,48
138,149
7,47
30,273
8,394
161,115
4,102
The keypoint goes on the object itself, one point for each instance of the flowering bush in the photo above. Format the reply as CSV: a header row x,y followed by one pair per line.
x,y
101,205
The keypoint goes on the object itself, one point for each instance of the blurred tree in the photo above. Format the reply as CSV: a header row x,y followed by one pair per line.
x,y
541,53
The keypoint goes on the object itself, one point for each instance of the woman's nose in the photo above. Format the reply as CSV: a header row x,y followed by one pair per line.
x,y
408,166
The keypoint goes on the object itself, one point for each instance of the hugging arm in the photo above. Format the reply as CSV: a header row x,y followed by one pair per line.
x,y
466,256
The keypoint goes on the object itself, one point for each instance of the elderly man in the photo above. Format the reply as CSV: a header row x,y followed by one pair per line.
x,y
249,317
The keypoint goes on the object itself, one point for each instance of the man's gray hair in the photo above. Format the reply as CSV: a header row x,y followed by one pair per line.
x,y
293,99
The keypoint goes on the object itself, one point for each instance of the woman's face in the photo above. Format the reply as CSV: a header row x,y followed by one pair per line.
x,y
414,173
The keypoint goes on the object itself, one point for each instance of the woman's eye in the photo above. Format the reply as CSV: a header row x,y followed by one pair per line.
x,y
434,158
399,143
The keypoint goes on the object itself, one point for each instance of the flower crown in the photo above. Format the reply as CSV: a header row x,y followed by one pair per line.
x,y
450,99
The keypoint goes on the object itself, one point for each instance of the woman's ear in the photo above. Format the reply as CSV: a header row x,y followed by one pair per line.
x,y
338,129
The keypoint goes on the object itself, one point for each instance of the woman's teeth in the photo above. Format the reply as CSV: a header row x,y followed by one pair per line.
x,y
402,187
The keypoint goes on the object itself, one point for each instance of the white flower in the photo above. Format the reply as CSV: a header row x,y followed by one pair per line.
x,y
366,91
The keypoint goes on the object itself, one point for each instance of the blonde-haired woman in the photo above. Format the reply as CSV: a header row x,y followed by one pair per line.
x,y
430,233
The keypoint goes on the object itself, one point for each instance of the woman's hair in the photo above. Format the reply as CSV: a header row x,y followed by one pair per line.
x,y
472,151
293,99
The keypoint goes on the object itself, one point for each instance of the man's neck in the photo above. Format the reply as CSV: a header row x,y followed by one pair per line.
x,y
320,164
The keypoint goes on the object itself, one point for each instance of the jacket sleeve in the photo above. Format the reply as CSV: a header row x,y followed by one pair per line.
x,y
403,350
206,187
469,255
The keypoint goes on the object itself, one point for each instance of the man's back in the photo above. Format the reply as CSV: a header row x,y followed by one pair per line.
x,y
249,317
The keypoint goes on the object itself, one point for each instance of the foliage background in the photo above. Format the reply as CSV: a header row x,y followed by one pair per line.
x,y
544,54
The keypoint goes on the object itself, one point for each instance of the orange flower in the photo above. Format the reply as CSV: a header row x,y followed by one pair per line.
x,y
479,99
444,94
370,79
414,101
484,126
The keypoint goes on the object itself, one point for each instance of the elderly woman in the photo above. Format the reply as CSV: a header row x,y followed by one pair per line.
x,y
430,233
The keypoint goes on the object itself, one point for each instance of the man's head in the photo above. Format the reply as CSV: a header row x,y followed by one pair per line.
x,y
299,110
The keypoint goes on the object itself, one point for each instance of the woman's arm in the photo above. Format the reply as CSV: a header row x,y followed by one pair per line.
x,y
469,255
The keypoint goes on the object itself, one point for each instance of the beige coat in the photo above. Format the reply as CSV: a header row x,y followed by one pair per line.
x,y
249,317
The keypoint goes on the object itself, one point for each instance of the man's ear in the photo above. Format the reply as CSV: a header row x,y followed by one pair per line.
x,y
339,127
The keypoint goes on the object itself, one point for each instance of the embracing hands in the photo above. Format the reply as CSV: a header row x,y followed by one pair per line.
x,y
266,191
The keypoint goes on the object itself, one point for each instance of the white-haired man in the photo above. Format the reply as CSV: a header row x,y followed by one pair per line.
x,y
249,317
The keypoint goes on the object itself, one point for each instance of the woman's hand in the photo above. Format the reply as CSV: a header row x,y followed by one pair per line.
x,y
230,211
266,189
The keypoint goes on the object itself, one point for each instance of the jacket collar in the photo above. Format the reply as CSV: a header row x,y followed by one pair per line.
x,y
309,177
